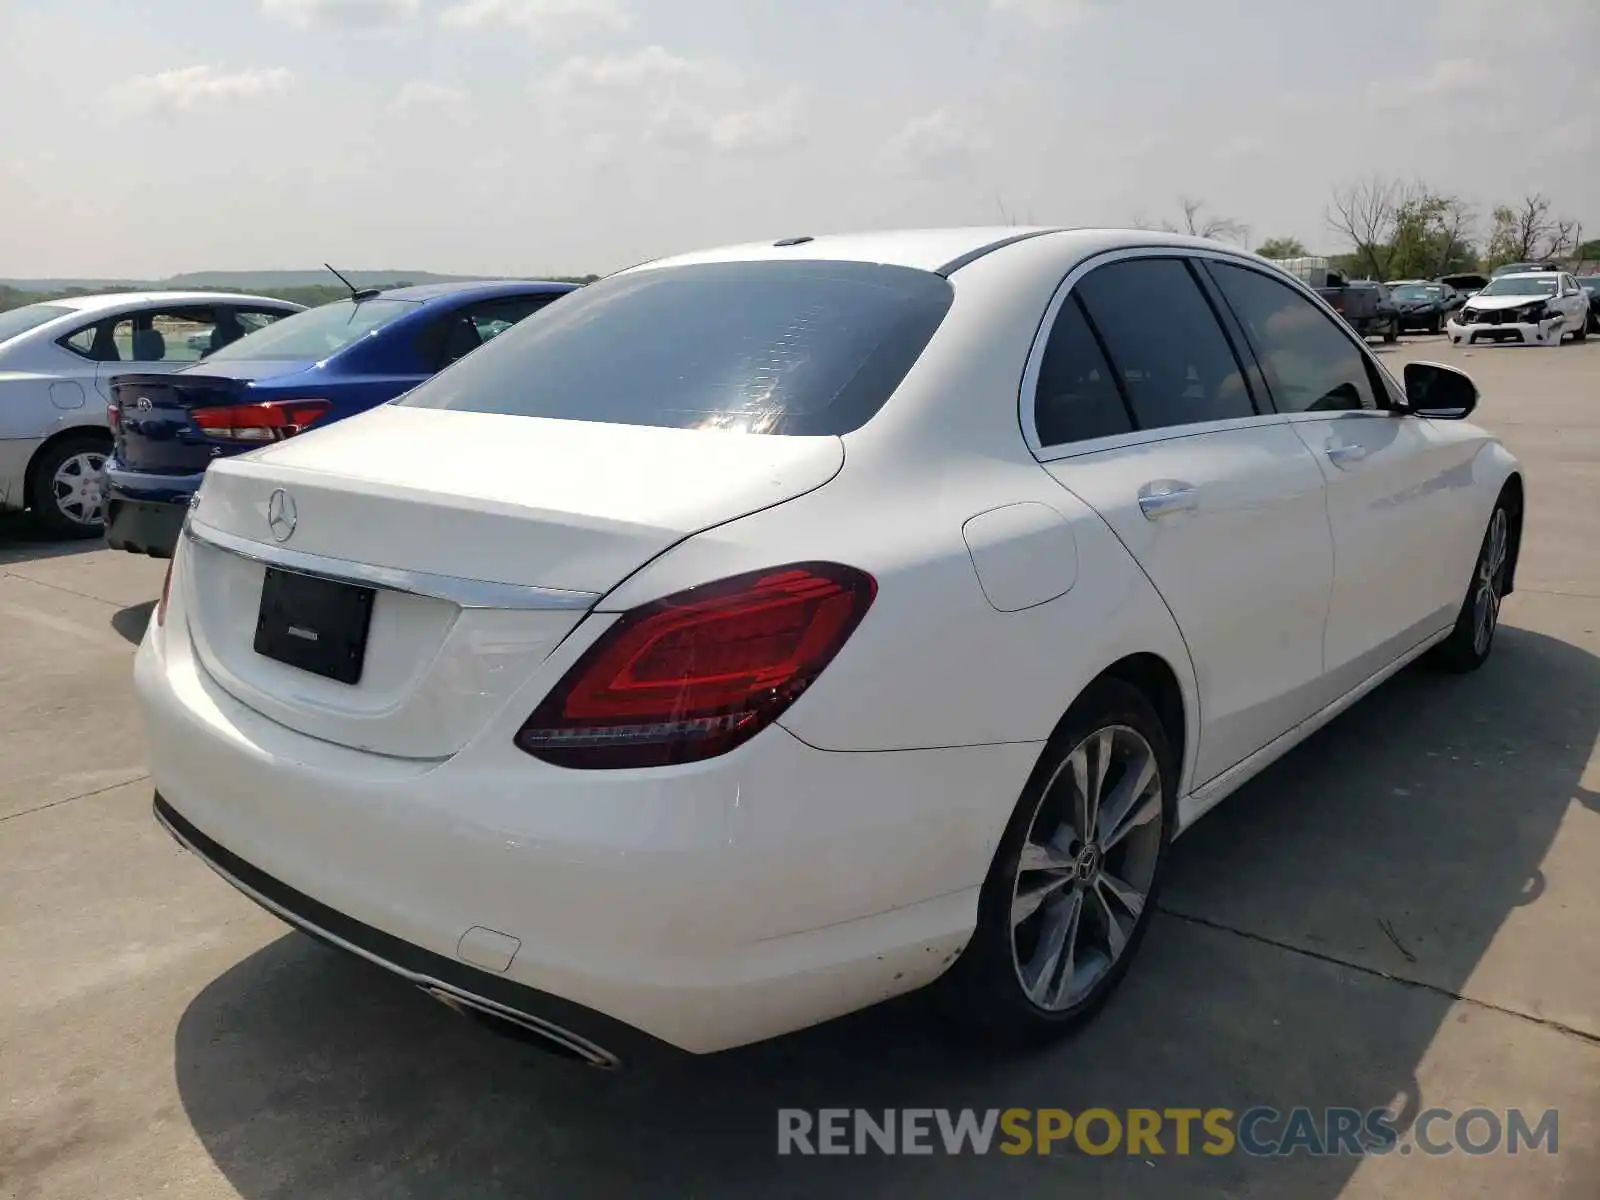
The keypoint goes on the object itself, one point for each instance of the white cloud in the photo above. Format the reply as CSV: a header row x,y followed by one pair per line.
x,y
1444,79
1047,14
655,95
342,14
539,19
195,87
421,95
939,143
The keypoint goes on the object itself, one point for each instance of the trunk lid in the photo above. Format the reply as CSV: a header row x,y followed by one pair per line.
x,y
486,510
154,429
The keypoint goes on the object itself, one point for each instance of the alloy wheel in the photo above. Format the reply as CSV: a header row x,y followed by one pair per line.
x,y
79,489
1087,867
1489,584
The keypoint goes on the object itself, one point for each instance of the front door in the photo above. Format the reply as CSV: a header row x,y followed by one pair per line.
x,y
1396,486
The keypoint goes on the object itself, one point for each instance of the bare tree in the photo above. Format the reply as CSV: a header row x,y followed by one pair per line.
x,y
1365,215
1196,224
1529,232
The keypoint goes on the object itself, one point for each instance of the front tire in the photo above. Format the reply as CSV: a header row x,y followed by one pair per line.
x,y
1581,333
1392,333
68,492
1074,881
1470,642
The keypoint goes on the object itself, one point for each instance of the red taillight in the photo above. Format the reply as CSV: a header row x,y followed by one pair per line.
x,y
166,590
114,417
268,421
693,675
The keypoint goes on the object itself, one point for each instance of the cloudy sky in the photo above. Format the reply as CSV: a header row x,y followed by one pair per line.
x,y
144,137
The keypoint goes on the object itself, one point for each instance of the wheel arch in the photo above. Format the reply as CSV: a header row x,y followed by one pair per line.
x,y
1157,681
96,433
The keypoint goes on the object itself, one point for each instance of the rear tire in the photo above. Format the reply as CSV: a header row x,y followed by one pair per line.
x,y
1470,642
67,493
1058,929
1581,333
1392,333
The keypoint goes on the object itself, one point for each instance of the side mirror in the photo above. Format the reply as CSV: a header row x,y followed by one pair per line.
x,y
1439,392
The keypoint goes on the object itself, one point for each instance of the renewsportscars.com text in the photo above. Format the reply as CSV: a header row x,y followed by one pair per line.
x,y
1152,1132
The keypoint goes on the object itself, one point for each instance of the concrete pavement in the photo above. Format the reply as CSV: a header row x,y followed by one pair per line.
x,y
1401,912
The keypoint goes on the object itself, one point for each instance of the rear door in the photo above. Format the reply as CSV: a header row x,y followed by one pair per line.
x,y
1142,408
1396,485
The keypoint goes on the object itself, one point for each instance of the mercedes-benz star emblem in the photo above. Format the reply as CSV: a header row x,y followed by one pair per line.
x,y
281,516
143,404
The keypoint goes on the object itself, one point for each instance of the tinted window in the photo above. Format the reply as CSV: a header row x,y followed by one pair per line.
x,y
463,331
29,316
1164,342
317,332
757,347
1077,398
1311,366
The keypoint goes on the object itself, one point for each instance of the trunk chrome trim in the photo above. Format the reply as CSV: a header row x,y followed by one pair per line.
x,y
467,593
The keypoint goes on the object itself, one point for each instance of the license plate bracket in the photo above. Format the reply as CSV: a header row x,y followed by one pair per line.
x,y
315,625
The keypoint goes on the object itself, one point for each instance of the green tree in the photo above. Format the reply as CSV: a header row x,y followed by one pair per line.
x,y
1283,247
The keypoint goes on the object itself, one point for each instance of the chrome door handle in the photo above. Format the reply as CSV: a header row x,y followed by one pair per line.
x,y
1340,453
1162,499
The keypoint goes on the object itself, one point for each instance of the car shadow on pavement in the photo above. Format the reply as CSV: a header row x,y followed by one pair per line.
x,y
1431,805
130,622
23,540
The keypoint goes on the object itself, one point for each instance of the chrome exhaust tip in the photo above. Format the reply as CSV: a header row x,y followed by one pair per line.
x,y
521,1027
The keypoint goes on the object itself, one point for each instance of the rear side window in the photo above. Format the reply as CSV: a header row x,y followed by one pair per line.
x,y
1310,365
317,332
754,347
1077,398
1164,342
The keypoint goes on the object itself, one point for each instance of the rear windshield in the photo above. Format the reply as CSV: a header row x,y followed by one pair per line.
x,y
753,347
30,316
315,333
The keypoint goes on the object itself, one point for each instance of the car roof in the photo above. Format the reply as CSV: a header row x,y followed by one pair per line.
x,y
110,300
1532,275
488,289
943,251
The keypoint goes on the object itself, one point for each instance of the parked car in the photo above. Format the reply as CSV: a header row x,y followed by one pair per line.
x,y
1465,285
325,364
732,646
56,362
1522,268
1423,305
1591,287
1536,309
1357,305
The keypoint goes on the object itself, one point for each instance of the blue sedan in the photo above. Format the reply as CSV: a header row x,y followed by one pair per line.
x,y
312,368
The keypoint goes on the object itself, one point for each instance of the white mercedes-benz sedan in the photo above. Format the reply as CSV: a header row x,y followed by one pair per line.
x,y
761,633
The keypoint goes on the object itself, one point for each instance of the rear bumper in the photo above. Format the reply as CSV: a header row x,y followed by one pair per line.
x,y
144,512
583,1033
143,526
704,906
1545,333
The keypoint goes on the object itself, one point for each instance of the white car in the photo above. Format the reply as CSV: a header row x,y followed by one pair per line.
x,y
1534,308
57,359
761,633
